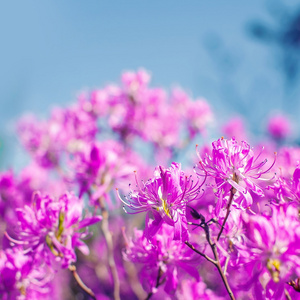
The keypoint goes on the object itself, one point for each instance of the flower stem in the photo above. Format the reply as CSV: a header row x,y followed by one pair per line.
x,y
72,268
213,246
232,192
110,249
157,284
200,253
222,274
287,295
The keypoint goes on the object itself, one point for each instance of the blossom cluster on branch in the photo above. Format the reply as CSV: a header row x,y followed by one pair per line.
x,y
113,204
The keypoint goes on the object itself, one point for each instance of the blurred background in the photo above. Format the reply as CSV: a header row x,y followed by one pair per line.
x,y
243,57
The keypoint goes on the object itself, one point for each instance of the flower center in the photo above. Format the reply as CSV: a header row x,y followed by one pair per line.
x,y
166,208
273,266
164,203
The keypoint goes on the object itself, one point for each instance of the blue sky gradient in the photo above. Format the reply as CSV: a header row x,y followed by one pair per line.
x,y
50,50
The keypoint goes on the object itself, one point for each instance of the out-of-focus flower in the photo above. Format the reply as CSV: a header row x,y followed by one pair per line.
x,y
190,289
287,189
53,227
101,166
37,139
65,131
288,160
279,127
161,259
198,116
165,196
134,81
232,240
136,110
21,277
272,242
234,128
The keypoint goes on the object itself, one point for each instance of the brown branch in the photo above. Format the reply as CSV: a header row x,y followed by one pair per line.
x,y
157,283
217,264
200,253
72,268
110,249
222,274
226,264
232,192
213,246
287,294
133,280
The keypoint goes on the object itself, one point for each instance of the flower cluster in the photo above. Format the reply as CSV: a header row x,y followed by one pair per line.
x,y
227,227
101,166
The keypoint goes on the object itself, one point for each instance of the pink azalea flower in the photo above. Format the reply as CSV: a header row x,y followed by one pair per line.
x,y
53,227
273,252
164,196
21,277
279,126
161,257
235,167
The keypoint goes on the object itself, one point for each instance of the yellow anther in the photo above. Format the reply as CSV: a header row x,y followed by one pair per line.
x,y
166,209
273,266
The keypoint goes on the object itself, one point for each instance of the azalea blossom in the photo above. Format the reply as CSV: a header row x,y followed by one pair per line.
x,y
161,259
53,227
235,168
165,196
273,259
21,276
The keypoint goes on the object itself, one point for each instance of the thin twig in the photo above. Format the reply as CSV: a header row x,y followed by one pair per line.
x,y
110,249
232,192
213,246
156,285
72,268
200,253
222,274
133,280
226,264
287,294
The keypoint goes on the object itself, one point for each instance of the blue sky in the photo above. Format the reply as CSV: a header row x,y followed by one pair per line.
x,y
50,50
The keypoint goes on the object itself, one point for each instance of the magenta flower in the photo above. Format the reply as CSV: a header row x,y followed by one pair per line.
x,y
21,277
234,127
164,196
53,227
101,166
38,141
65,131
273,250
161,259
287,189
134,109
190,289
133,82
232,240
234,167
9,199
198,116
279,126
